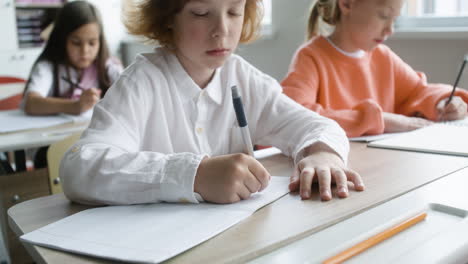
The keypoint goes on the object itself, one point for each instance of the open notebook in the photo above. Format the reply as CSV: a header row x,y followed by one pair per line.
x,y
449,138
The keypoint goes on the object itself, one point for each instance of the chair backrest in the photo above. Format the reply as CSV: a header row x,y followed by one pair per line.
x,y
54,156
11,92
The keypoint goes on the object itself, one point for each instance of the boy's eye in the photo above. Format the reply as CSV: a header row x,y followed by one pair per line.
x,y
199,13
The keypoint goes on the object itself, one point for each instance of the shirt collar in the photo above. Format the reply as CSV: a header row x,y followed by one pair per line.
x,y
215,88
188,89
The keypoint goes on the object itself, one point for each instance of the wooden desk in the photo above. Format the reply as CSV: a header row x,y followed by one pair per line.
x,y
448,191
387,174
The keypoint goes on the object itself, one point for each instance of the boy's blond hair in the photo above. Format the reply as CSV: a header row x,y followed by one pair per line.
x,y
152,18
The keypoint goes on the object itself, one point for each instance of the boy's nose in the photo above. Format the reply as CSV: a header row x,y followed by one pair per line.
x,y
221,27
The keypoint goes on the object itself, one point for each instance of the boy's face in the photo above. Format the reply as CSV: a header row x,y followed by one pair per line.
x,y
370,22
206,32
83,45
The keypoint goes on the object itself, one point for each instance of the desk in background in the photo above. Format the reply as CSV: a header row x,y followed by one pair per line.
x,y
387,174
26,185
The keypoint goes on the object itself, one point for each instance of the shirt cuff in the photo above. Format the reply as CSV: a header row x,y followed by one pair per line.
x,y
340,148
178,183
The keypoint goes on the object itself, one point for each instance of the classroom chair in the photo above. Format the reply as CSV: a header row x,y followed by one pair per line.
x,y
54,156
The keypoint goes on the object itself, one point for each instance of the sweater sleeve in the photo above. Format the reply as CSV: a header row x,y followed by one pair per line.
x,y
302,84
414,96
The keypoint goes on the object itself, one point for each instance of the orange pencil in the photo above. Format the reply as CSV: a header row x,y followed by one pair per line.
x,y
372,241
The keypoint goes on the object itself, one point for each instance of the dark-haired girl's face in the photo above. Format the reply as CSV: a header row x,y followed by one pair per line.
x,y
83,45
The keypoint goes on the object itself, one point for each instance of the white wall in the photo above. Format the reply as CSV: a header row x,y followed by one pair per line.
x,y
439,59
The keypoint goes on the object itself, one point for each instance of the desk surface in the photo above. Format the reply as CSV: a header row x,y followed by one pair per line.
x,y
387,175
39,137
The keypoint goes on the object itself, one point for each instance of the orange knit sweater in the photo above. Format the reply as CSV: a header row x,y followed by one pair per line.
x,y
356,91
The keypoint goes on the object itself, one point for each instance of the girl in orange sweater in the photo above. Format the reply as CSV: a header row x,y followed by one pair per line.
x,y
351,77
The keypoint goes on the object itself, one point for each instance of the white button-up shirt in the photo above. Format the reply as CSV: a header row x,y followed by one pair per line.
x,y
155,125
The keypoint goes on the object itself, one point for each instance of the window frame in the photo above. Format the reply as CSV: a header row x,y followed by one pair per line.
x,y
267,27
432,27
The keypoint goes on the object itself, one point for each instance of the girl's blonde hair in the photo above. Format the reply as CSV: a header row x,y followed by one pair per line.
x,y
152,19
322,11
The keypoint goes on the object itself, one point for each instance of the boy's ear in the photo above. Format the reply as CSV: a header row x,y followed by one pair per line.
x,y
345,6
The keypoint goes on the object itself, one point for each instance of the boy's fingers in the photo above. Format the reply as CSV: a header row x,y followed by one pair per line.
x,y
324,178
341,182
356,179
305,184
259,172
252,183
294,180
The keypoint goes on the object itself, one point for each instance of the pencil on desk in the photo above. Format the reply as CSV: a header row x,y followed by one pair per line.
x,y
372,241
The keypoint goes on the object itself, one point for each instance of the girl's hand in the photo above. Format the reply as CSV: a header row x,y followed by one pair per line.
x,y
230,178
87,100
325,167
455,110
400,123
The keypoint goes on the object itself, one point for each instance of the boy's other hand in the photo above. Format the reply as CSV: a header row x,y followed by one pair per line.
x,y
326,167
230,178
400,123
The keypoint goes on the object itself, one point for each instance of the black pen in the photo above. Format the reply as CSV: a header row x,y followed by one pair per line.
x,y
240,114
73,83
457,80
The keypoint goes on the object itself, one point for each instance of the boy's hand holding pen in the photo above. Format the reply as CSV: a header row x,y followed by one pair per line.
x,y
234,177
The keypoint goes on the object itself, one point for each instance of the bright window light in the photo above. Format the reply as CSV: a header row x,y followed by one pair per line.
x,y
439,15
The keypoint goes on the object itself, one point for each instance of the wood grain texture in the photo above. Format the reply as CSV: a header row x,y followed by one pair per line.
x,y
386,173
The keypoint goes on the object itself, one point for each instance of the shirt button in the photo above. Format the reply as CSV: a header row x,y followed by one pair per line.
x,y
199,130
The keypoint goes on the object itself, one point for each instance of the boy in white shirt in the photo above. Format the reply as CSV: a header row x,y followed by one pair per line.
x,y
167,131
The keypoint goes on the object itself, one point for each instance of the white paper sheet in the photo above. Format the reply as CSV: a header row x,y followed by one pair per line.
x,y
149,233
17,120
458,123
438,138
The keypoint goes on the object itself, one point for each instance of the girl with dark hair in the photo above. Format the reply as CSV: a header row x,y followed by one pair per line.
x,y
74,70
